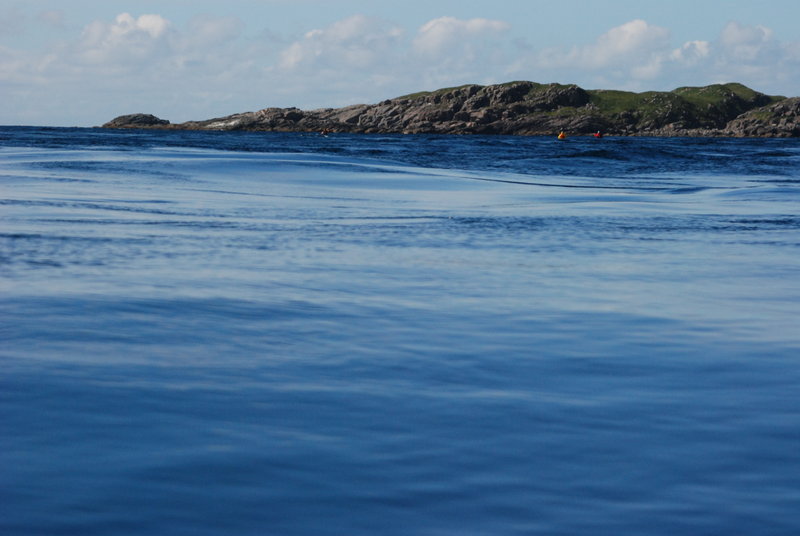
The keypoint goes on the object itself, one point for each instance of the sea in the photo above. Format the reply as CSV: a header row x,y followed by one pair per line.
x,y
233,333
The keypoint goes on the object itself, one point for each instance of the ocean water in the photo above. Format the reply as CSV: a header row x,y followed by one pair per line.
x,y
208,333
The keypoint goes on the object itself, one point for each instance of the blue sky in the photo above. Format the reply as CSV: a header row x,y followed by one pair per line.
x,y
83,62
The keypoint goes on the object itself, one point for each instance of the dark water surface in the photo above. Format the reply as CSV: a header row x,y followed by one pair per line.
x,y
246,334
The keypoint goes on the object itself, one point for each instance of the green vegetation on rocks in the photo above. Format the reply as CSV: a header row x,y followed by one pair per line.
x,y
528,108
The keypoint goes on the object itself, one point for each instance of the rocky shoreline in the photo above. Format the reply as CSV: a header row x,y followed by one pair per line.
x,y
528,108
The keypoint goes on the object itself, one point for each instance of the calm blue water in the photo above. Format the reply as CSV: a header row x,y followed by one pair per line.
x,y
288,334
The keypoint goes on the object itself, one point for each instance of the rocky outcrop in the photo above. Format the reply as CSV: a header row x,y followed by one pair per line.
x,y
136,121
781,119
527,108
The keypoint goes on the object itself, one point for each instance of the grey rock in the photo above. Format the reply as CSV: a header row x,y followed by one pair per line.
x,y
136,121
528,108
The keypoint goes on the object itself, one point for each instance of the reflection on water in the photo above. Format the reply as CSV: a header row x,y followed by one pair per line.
x,y
210,333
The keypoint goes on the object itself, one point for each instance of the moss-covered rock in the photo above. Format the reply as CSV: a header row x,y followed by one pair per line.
x,y
528,108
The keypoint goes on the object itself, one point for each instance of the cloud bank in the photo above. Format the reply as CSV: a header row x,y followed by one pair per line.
x,y
212,66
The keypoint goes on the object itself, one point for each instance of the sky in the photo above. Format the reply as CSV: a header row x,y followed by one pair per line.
x,y
84,62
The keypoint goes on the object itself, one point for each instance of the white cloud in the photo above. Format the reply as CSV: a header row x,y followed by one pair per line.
x,y
357,42
446,33
631,52
125,40
691,53
745,43
124,26
635,41
138,63
747,54
448,51
210,66
640,56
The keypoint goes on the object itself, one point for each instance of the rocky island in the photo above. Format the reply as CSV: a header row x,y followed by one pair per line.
x,y
528,108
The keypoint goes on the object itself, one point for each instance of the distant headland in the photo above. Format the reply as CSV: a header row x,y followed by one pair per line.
x,y
528,108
